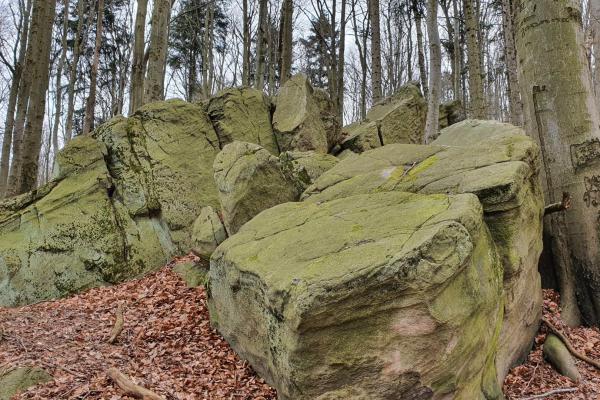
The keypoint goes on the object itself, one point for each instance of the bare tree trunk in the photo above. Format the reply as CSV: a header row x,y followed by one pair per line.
x,y
12,100
595,26
32,138
286,34
435,73
360,39
59,72
514,99
341,64
477,97
73,72
561,114
154,86
207,51
375,51
137,64
259,83
246,44
458,52
88,122
420,47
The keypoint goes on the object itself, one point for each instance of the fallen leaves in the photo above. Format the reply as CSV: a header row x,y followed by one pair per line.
x,y
166,345
536,376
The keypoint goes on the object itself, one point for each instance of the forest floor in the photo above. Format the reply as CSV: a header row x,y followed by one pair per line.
x,y
168,346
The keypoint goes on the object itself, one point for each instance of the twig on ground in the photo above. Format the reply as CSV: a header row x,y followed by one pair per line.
x,y
67,370
130,388
118,327
564,205
569,346
550,393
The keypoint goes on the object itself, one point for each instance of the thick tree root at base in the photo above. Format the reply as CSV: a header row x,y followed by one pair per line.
x,y
569,346
130,388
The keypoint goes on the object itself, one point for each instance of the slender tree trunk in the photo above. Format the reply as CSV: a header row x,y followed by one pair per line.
x,y
476,94
73,72
12,100
154,85
561,114
32,138
375,51
287,21
59,72
420,47
137,64
435,73
595,26
90,105
514,99
246,44
458,51
341,65
261,45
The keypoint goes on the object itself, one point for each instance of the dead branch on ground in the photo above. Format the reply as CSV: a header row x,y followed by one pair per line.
x,y
130,388
118,328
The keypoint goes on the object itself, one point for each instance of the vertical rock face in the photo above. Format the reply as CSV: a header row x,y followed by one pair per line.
x,y
375,296
249,180
499,164
243,114
301,120
208,232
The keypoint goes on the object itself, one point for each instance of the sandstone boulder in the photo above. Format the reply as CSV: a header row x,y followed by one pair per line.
x,y
208,232
375,296
298,121
20,379
500,165
307,166
249,180
243,114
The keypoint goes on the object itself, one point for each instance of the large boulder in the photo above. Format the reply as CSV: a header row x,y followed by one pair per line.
x,y
307,166
300,120
208,232
396,119
500,165
19,379
375,296
249,180
243,114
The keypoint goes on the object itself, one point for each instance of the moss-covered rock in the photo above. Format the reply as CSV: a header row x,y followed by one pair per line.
x,y
297,121
243,114
20,379
307,166
495,161
208,232
193,274
249,180
375,296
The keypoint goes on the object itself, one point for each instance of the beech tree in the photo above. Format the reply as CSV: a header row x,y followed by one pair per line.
x,y
435,72
154,85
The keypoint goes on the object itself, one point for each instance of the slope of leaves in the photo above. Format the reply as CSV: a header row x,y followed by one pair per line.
x,y
167,344
536,376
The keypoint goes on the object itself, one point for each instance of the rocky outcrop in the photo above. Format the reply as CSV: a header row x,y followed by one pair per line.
x,y
243,114
208,232
249,180
307,166
451,113
302,120
397,119
500,165
374,296
20,379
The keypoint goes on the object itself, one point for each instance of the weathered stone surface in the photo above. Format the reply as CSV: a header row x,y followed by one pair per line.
x,y
376,296
499,164
559,356
161,160
74,233
249,180
451,113
297,120
397,119
20,379
243,114
193,274
307,166
328,117
208,232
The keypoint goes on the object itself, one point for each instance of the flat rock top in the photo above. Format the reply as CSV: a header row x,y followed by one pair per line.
x,y
298,246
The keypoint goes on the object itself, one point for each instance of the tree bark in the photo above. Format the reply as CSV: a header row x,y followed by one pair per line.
x,y
73,72
32,137
375,51
595,26
477,98
287,33
435,73
261,44
137,64
90,105
246,44
154,86
341,64
12,100
59,72
420,47
561,114
514,99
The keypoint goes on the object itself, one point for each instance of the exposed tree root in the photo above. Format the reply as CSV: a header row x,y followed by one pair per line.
x,y
570,347
118,328
563,205
130,388
551,393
